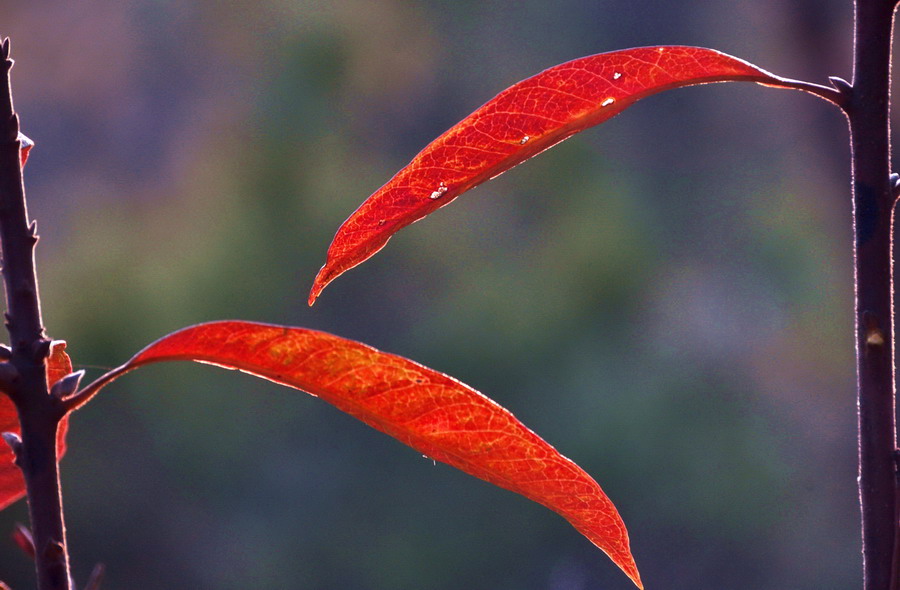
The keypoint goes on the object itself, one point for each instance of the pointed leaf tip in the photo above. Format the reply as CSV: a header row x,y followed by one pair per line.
x,y
422,408
520,122
318,284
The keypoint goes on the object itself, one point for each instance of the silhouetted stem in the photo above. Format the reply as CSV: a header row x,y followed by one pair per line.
x,y
873,200
39,413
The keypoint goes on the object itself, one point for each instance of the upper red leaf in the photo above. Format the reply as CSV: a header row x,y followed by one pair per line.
x,y
429,411
12,486
520,122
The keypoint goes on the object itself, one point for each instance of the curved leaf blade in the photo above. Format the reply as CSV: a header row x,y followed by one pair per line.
x,y
422,408
520,122
12,485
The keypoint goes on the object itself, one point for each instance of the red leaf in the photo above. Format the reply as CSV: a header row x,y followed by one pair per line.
x,y
520,122
12,486
429,411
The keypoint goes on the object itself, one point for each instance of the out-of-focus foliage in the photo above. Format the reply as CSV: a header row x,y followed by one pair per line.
x,y
665,299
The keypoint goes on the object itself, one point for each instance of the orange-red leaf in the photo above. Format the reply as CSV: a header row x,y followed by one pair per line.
x,y
520,122
429,411
12,486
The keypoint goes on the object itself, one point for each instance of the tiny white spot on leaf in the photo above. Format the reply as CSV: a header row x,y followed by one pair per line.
x,y
617,75
439,192
524,140
607,102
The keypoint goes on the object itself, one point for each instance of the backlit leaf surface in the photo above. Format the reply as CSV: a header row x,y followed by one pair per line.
x,y
520,122
12,486
427,410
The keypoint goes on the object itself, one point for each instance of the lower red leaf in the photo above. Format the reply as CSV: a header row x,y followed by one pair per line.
x,y
12,485
427,410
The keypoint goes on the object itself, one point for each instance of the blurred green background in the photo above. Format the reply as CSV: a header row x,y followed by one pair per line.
x,y
666,299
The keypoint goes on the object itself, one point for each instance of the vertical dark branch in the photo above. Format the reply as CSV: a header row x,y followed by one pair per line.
x,y
873,200
39,414
17,239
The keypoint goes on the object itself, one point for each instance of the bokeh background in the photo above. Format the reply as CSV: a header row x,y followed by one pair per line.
x,y
667,298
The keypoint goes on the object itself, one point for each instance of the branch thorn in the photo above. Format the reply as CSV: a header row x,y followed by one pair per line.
x,y
65,386
15,443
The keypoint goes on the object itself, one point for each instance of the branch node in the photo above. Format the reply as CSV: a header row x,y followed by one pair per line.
x,y
54,550
41,349
9,374
11,128
874,333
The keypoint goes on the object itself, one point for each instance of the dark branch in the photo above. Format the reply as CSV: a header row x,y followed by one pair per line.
x,y
39,413
867,109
